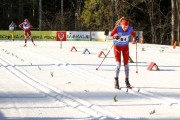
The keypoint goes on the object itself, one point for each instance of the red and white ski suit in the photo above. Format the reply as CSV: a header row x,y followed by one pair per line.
x,y
121,45
26,26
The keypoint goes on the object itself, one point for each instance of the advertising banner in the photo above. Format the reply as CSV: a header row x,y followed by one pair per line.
x,y
65,35
61,36
78,35
98,36
44,35
37,35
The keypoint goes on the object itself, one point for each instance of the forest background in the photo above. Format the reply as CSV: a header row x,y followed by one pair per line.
x,y
158,19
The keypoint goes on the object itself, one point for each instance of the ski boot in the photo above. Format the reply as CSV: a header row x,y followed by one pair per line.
x,y
128,85
25,45
116,82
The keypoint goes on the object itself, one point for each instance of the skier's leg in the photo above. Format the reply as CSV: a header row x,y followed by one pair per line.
x,y
25,39
117,71
9,35
126,70
31,38
117,54
13,35
126,65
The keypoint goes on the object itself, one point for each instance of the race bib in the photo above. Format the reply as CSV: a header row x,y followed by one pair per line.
x,y
26,26
123,39
11,28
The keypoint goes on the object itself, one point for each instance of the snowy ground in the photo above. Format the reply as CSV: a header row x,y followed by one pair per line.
x,y
49,83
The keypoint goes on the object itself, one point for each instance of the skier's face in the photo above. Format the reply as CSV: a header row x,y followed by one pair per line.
x,y
125,27
125,24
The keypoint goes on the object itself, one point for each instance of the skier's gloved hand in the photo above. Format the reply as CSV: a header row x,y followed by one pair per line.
x,y
116,37
20,27
136,38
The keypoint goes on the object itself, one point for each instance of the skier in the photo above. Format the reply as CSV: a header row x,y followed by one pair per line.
x,y
12,28
121,34
26,26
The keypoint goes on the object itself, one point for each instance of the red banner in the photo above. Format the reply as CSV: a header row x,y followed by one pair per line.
x,y
60,36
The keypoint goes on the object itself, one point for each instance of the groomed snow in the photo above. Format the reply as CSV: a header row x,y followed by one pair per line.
x,y
46,82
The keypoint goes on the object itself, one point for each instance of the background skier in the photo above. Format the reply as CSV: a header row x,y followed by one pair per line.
x,y
12,28
26,26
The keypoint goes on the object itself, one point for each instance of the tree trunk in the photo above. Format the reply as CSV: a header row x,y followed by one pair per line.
x,y
178,24
174,22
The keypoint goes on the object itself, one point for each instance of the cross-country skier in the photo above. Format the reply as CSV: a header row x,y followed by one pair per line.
x,y
26,26
121,34
12,27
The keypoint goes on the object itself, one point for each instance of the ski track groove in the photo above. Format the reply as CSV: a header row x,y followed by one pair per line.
x,y
162,100
77,103
90,109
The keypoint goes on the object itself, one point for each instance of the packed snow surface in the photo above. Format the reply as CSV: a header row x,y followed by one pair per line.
x,y
47,82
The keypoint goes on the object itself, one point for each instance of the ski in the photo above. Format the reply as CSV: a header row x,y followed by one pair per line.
x,y
136,89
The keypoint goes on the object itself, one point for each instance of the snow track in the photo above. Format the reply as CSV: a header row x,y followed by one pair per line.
x,y
70,78
92,110
159,99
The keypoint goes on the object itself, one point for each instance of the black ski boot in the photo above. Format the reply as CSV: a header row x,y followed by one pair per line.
x,y
116,83
128,85
25,45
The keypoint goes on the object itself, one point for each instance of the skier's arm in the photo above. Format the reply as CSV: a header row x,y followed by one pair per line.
x,y
114,33
30,26
20,26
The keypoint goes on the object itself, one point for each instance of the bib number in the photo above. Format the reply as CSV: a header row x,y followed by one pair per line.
x,y
11,28
123,39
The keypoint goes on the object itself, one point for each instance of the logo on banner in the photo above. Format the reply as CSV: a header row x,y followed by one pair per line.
x,y
61,36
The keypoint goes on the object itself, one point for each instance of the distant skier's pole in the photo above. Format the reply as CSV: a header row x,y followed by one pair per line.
x,y
104,58
136,58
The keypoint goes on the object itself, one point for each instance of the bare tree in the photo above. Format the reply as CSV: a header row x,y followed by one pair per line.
x,y
174,22
178,14
151,8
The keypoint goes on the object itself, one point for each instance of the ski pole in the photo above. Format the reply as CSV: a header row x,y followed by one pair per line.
x,y
136,59
104,58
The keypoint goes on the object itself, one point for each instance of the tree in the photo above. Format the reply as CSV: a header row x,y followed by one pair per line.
x,y
97,15
178,7
174,22
149,16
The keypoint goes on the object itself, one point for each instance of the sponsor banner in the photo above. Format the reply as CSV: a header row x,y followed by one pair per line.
x,y
100,36
44,35
37,35
61,36
65,35
78,35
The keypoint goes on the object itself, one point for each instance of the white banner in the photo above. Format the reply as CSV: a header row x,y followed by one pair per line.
x,y
78,35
